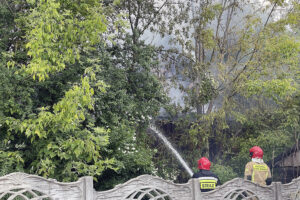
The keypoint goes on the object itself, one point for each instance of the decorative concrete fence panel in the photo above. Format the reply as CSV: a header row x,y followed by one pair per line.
x,y
291,191
148,187
20,186
238,189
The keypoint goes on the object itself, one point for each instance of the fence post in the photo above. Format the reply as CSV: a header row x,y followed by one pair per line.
x,y
278,193
88,188
196,189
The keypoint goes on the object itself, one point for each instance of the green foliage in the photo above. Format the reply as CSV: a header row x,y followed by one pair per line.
x,y
10,161
293,16
225,173
276,89
60,134
134,93
282,51
58,32
133,97
51,132
236,68
96,91
64,149
88,79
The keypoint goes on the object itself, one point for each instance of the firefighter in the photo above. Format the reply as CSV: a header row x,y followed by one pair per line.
x,y
208,180
256,170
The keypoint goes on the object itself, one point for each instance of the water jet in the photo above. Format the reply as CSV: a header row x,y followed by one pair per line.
x,y
172,149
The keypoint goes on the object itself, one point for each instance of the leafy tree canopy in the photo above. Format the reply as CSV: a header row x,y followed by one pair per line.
x,y
75,102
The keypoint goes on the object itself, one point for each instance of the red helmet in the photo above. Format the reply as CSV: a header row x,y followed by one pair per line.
x,y
256,152
204,163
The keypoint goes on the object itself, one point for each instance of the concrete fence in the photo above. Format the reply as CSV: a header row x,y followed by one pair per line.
x,y
20,186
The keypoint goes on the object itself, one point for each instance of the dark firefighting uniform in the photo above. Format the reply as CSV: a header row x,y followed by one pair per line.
x,y
208,180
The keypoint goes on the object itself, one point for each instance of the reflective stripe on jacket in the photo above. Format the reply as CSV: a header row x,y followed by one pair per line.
x,y
208,183
207,180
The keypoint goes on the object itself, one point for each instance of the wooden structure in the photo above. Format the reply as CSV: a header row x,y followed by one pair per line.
x,y
286,166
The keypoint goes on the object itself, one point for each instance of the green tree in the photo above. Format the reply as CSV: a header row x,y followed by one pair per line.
x,y
237,62
51,137
134,97
69,102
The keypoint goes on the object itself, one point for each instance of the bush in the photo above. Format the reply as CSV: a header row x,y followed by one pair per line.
x,y
225,173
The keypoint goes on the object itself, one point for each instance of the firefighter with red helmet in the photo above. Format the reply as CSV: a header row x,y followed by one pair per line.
x,y
256,170
207,179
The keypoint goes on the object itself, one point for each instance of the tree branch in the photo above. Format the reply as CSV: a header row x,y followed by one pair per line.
x,y
254,50
154,17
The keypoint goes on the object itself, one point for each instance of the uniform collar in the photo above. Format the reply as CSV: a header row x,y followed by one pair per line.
x,y
258,160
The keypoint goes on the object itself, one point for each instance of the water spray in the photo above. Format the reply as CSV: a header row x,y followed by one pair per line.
x,y
173,150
